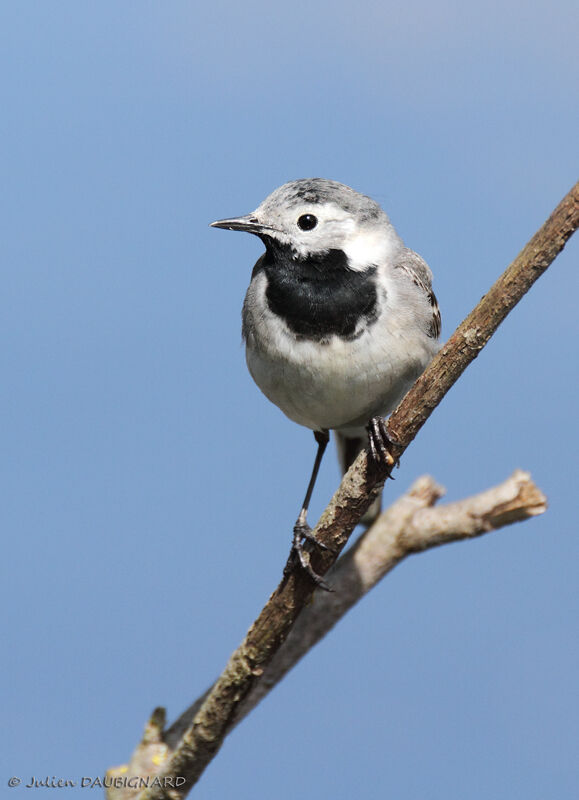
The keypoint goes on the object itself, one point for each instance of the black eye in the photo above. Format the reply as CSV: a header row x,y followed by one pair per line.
x,y
307,221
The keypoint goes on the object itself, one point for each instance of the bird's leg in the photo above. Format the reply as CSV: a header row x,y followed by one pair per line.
x,y
301,526
301,529
380,442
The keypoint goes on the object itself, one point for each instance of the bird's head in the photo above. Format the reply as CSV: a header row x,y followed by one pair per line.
x,y
313,216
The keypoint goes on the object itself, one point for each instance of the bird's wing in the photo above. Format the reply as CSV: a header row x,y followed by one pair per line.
x,y
416,268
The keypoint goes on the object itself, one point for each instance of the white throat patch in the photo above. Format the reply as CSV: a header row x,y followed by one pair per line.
x,y
371,247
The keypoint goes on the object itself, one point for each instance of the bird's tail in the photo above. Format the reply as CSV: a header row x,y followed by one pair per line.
x,y
348,448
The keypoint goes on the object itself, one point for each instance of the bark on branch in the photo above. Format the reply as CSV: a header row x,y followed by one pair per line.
x,y
223,703
409,526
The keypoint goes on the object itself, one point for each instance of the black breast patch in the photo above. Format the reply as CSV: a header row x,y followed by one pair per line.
x,y
318,295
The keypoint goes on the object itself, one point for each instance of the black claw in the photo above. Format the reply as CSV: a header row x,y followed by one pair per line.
x,y
299,555
379,442
303,531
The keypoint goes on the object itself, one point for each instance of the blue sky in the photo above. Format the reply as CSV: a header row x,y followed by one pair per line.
x,y
149,489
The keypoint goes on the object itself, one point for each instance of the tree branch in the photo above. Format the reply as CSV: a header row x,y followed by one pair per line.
x,y
220,708
409,526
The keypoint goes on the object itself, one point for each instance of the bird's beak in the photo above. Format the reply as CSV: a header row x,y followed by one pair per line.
x,y
248,223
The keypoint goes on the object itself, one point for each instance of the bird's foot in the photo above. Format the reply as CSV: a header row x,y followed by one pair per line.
x,y
381,443
301,555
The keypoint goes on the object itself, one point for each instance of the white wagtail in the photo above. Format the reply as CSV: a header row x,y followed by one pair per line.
x,y
339,319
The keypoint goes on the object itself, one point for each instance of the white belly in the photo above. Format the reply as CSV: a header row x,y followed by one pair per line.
x,y
341,384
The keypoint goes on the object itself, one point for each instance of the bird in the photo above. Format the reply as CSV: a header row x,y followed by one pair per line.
x,y
339,320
